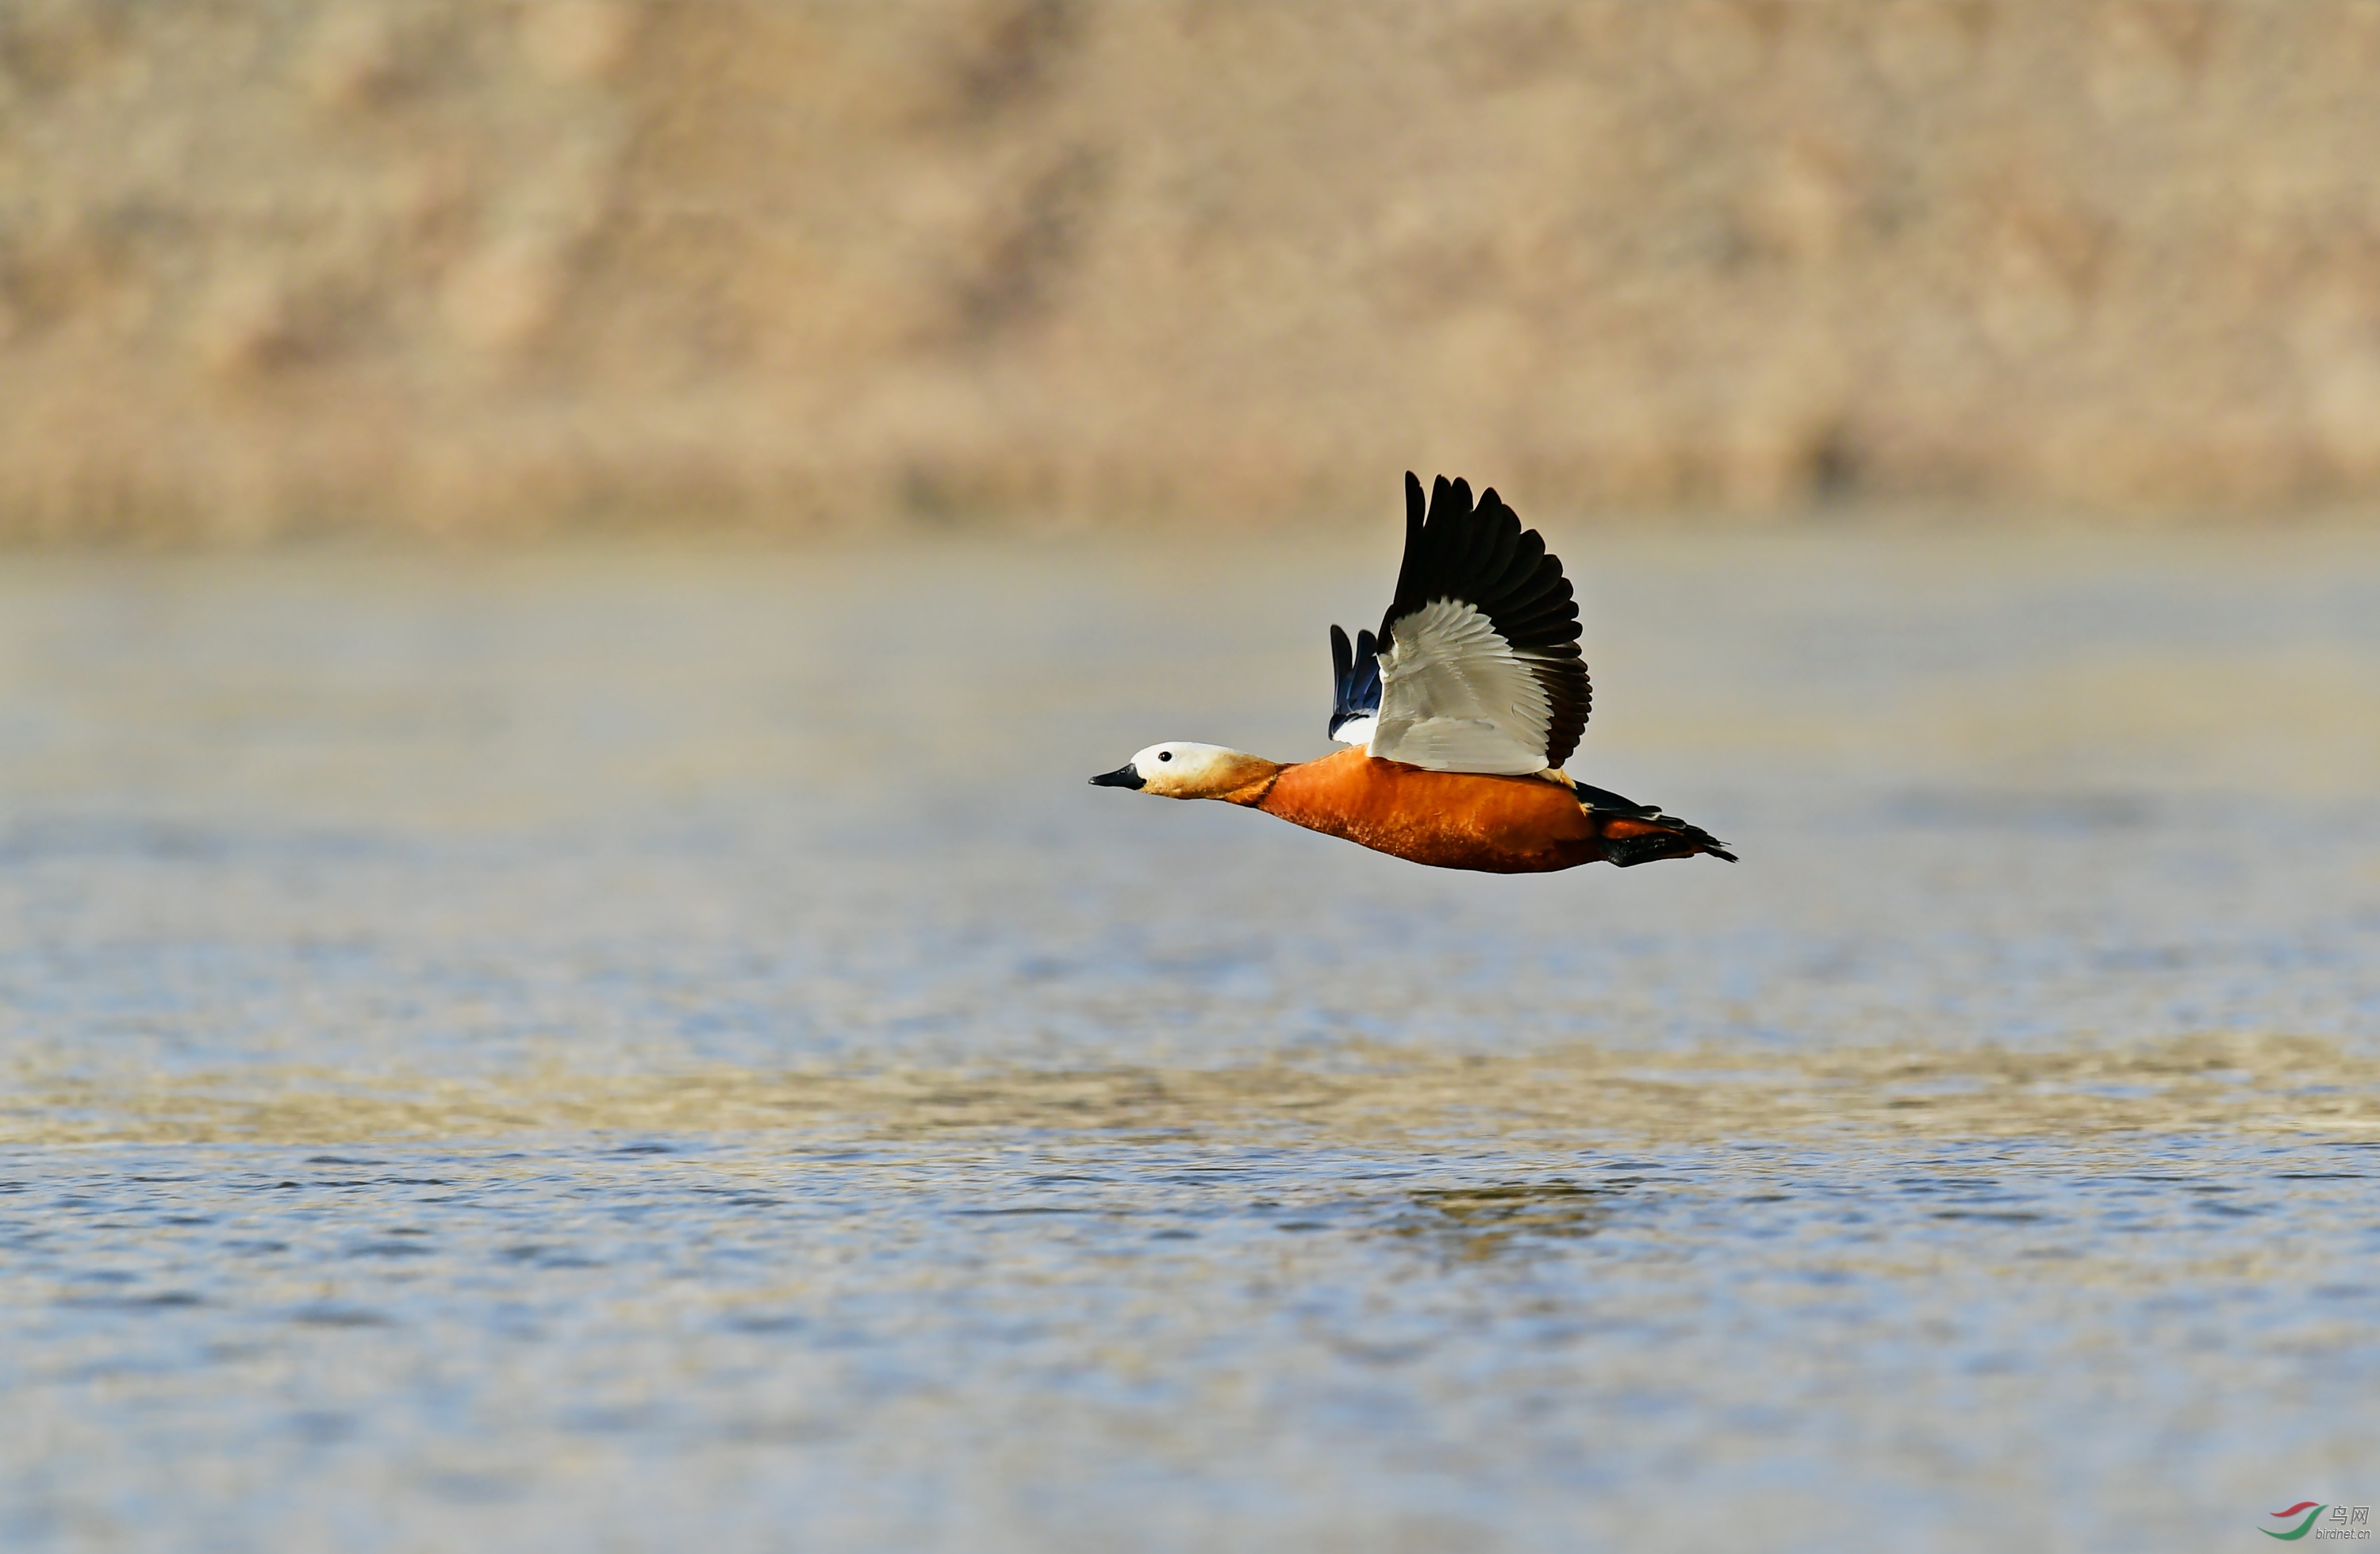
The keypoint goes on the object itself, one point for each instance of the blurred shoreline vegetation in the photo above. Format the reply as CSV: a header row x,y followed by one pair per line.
x,y
511,268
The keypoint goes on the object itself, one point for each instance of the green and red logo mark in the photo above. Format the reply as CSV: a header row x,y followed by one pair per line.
x,y
2352,1523
2306,1509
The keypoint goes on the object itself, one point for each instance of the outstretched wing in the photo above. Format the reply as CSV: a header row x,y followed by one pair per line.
x,y
1355,679
1478,655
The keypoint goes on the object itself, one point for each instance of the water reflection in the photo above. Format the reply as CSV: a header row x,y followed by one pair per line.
x,y
1473,1224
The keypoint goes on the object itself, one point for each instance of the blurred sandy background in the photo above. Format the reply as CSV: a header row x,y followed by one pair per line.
x,y
275,266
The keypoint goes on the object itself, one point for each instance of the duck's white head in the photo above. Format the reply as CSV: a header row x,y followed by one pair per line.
x,y
1179,769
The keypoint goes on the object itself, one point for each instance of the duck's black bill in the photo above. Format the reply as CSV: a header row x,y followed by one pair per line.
x,y
1125,776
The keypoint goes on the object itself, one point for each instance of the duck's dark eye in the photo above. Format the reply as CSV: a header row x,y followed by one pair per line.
x,y
1165,754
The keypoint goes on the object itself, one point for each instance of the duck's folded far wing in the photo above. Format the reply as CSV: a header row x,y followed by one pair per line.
x,y
1356,680
1478,655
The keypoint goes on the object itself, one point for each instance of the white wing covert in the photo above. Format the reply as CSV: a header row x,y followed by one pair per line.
x,y
1478,660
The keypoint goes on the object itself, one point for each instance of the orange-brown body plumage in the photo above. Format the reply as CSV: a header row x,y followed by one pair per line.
x,y
1460,819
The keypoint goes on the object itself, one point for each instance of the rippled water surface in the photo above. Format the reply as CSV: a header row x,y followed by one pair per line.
x,y
652,1049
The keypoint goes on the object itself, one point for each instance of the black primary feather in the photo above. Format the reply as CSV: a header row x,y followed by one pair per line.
x,y
1603,799
1479,554
1355,679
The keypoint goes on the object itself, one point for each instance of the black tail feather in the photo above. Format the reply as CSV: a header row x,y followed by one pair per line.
x,y
1675,839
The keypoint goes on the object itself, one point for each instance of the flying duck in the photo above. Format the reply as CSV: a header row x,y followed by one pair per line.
x,y
1459,715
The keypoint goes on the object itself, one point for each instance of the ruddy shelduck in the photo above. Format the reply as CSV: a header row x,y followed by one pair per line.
x,y
1461,712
